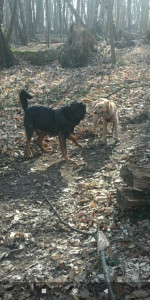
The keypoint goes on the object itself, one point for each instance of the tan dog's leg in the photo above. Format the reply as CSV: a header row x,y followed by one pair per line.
x,y
108,128
95,120
116,130
104,131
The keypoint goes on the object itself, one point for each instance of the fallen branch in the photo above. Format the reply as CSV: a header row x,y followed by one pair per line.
x,y
66,224
126,87
116,91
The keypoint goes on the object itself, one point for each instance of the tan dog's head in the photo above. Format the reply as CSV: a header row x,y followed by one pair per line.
x,y
101,106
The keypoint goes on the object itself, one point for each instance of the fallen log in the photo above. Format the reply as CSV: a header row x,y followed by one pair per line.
x,y
130,198
136,177
129,35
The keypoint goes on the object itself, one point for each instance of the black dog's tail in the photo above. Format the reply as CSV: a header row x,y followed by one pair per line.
x,y
23,99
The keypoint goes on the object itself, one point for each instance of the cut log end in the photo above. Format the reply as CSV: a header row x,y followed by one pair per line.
x,y
136,177
130,198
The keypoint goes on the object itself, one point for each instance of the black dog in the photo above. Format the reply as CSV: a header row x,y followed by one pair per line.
x,y
51,121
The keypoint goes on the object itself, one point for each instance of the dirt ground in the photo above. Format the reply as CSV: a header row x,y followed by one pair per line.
x,y
40,258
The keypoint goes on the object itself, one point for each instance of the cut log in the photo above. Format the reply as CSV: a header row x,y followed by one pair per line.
x,y
130,198
136,177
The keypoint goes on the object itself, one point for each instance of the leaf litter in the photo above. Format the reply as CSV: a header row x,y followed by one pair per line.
x,y
37,252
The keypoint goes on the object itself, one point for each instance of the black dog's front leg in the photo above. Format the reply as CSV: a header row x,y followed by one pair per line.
x,y
63,147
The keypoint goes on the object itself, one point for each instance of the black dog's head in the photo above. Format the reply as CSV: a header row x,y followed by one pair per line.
x,y
75,112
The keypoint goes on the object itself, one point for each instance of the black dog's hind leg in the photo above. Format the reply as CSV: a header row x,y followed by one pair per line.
x,y
73,139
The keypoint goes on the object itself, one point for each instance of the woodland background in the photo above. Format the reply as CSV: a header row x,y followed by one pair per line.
x,y
39,20
61,51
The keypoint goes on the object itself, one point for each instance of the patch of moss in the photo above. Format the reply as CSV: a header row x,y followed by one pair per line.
x,y
25,53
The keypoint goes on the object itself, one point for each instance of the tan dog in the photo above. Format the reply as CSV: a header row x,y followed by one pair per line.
x,y
107,110
109,113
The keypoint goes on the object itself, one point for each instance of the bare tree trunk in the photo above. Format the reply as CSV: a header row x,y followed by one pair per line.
x,y
117,12
39,16
78,11
73,10
7,58
55,17
29,22
22,32
11,24
83,10
111,31
95,16
1,11
129,14
70,15
121,20
65,17
89,13
47,21
33,12
60,19
144,15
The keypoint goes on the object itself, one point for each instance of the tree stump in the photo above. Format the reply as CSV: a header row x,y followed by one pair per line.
x,y
78,49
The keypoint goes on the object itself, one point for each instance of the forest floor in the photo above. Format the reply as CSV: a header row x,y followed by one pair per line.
x,y
40,258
